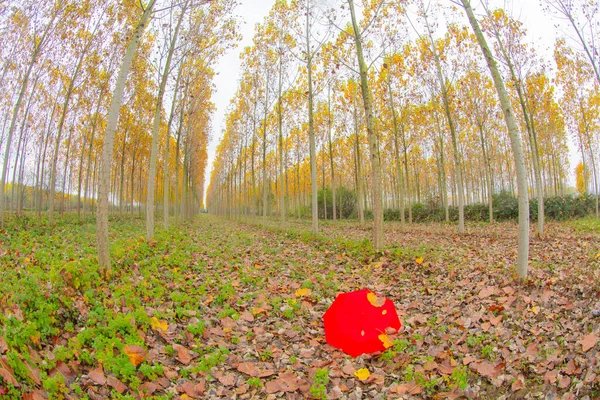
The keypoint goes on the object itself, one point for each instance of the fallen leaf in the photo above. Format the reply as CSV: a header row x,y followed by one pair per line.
x,y
3,345
194,391
98,376
183,354
362,374
407,388
8,377
257,310
287,382
116,384
486,292
487,369
248,368
551,377
419,260
588,341
387,343
564,382
375,300
571,368
227,379
136,354
147,388
157,324
304,292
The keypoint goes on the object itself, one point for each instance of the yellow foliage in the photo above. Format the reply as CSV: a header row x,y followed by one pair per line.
x,y
362,374
581,178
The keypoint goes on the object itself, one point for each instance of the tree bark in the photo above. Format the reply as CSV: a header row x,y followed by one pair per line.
x,y
515,139
109,140
156,131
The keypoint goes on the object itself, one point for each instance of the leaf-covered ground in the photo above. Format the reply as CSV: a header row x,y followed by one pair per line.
x,y
214,309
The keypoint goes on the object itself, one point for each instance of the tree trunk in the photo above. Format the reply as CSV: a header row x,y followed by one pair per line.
x,y
156,131
372,136
334,205
166,185
38,45
109,140
280,128
65,170
457,161
311,132
515,139
264,153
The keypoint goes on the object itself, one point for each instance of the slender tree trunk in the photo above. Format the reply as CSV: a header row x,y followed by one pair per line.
x,y
457,161
372,136
281,150
166,155
38,45
122,173
311,132
109,139
515,139
156,131
65,170
329,122
397,152
264,153
488,172
91,146
358,170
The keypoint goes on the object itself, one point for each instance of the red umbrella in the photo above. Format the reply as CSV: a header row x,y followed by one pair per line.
x,y
355,321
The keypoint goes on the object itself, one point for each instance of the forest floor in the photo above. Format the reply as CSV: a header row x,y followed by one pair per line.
x,y
212,309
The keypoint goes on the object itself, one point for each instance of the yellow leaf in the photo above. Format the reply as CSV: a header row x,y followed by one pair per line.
x,y
362,374
304,292
136,354
375,300
419,260
209,299
535,310
377,264
157,324
387,343
26,260
257,310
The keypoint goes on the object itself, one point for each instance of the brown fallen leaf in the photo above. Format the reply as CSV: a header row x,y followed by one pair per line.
x,y
116,384
564,382
8,377
487,369
3,346
588,341
287,382
97,375
572,368
227,379
248,368
195,391
486,292
183,354
407,388
147,388
35,395
518,384
551,377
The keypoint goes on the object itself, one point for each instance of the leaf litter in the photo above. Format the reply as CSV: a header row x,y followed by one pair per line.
x,y
218,309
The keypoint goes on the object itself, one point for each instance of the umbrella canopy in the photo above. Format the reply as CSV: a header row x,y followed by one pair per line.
x,y
355,321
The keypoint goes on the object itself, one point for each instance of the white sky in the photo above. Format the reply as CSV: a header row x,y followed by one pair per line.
x,y
540,26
